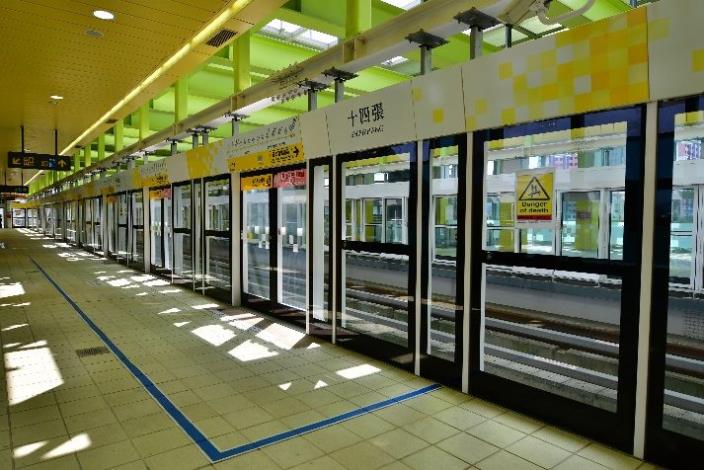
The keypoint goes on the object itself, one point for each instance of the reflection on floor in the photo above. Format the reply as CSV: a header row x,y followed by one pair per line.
x,y
236,375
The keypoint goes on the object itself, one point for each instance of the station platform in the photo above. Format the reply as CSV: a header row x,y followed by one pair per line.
x,y
106,367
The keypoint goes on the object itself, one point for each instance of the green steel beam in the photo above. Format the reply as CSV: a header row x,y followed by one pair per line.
x,y
181,99
358,17
119,135
143,121
87,156
241,54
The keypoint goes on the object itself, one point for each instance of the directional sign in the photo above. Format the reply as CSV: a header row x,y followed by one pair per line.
x,y
38,161
14,189
251,183
274,157
534,193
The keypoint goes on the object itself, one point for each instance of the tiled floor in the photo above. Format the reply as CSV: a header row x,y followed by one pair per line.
x,y
236,375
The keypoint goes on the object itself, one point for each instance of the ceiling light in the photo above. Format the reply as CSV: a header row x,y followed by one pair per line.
x,y
104,15
56,97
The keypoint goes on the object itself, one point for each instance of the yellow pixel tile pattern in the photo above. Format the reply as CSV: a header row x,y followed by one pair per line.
x,y
596,66
200,160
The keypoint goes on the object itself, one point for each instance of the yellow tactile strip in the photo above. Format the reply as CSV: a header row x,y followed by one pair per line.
x,y
99,417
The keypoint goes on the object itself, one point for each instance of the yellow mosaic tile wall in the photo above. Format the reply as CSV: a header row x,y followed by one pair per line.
x,y
596,66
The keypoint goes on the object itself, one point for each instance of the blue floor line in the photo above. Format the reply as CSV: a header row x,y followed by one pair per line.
x,y
208,448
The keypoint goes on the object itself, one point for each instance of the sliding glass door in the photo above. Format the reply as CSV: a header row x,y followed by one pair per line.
x,y
217,238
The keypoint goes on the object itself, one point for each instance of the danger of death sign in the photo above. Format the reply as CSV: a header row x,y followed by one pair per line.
x,y
534,196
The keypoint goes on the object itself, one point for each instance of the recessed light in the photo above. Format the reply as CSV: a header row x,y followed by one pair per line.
x,y
94,33
56,97
104,15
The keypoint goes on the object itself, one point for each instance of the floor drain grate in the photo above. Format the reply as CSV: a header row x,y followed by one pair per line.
x,y
94,351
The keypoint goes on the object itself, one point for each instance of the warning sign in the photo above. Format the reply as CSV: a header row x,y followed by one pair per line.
x,y
534,193
250,183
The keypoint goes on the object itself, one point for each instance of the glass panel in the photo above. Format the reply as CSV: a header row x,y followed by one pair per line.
x,y
376,296
156,227
555,330
98,233
443,268
167,232
372,220
217,218
137,221
580,224
537,331
111,219
217,270
183,250
257,258
198,232
684,362
320,242
618,199
292,246
394,228
217,205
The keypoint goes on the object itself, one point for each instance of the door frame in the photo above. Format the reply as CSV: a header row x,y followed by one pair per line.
x,y
207,289
404,358
160,271
615,428
271,306
662,445
434,367
190,231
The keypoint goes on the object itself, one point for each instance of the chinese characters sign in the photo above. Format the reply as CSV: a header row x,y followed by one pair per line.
x,y
155,174
38,161
290,179
251,183
274,157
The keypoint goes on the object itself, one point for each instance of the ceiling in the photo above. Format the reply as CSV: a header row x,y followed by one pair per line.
x,y
47,50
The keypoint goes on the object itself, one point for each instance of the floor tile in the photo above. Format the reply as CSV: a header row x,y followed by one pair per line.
x,y
539,452
609,457
468,448
398,443
504,460
433,457
362,456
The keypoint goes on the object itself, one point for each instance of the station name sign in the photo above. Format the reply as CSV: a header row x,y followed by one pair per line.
x,y
14,189
38,161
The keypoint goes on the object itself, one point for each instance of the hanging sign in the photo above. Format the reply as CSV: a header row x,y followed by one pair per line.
x,y
164,193
274,157
155,174
250,183
290,179
534,196
14,189
38,161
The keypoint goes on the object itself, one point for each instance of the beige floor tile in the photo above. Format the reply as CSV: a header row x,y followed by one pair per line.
x,y
248,417
428,404
399,415
183,458
362,456
333,438
86,405
108,456
468,448
459,418
160,441
397,465
482,408
320,463
538,452
35,416
147,424
38,432
496,433
103,435
431,430
301,419
398,443
560,438
368,426
213,427
504,460
432,457
67,462
263,430
292,452
520,422
575,462
609,457
87,421
256,459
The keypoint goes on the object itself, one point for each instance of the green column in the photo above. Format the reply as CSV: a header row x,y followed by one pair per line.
x,y
240,63
101,147
119,134
144,121
181,99
359,17
87,156
76,161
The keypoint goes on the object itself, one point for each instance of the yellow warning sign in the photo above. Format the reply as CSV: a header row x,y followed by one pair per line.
x,y
250,183
270,158
534,195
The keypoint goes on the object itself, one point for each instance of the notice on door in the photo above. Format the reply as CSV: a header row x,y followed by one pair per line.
x,y
534,196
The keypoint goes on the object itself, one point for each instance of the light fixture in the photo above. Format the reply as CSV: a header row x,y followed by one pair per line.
x,y
56,97
104,15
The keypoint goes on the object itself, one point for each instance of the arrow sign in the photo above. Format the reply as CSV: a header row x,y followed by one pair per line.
x,y
37,161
